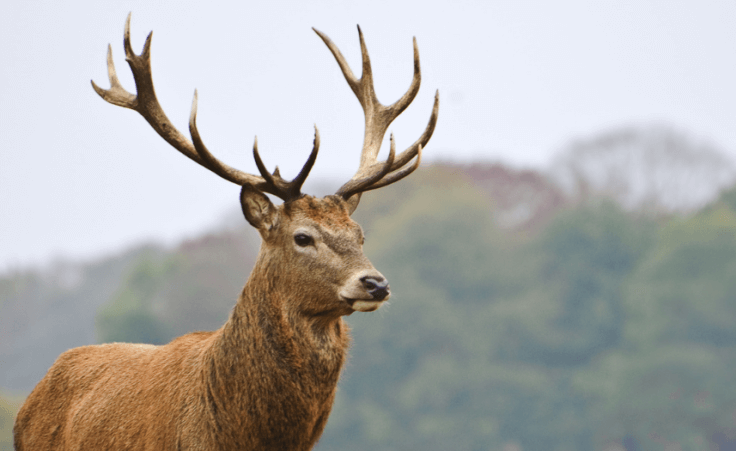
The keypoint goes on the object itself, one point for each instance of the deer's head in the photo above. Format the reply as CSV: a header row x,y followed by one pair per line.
x,y
313,242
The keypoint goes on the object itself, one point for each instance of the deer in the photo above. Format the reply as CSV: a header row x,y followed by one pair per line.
x,y
265,380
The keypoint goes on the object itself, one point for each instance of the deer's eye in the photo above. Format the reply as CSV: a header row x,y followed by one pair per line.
x,y
303,240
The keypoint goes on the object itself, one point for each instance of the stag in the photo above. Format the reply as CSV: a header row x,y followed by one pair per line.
x,y
266,379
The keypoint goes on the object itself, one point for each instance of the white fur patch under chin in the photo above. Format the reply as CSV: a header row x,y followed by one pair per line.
x,y
366,306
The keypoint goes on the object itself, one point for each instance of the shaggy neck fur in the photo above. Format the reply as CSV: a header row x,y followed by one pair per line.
x,y
271,372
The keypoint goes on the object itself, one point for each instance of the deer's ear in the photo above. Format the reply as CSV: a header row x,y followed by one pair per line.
x,y
257,208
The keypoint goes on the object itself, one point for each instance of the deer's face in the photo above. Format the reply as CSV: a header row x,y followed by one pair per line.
x,y
320,249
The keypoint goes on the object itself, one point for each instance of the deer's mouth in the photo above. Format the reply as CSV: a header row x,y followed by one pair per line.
x,y
364,305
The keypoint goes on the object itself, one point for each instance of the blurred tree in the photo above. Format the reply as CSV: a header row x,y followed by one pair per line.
x,y
193,287
574,308
679,393
685,291
519,198
671,379
655,170
211,273
728,197
8,408
128,317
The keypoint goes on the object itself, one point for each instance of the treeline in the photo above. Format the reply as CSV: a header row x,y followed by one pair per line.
x,y
522,317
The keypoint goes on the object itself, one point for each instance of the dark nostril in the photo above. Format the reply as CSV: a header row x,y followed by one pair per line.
x,y
371,282
377,287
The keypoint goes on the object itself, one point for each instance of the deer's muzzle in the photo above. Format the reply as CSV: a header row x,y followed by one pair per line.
x,y
366,291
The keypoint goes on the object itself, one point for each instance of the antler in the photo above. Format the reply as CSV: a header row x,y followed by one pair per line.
x,y
372,174
147,105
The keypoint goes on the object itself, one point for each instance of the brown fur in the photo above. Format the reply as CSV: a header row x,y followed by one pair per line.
x,y
265,380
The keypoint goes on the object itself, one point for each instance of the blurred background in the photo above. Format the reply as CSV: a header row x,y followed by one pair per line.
x,y
563,265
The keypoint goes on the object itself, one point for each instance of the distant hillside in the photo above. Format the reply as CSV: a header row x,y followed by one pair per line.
x,y
521,318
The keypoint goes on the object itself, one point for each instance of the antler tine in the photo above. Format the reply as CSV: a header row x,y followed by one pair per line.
x,y
144,101
355,186
378,117
262,167
398,175
302,176
209,161
349,76
406,156
274,184
400,105
116,94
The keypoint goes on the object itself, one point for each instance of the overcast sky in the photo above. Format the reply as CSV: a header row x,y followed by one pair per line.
x,y
518,80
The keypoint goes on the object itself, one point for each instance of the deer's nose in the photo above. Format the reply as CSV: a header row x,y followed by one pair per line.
x,y
376,286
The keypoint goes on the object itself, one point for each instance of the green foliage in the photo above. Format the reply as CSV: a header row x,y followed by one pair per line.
x,y
728,198
8,408
585,257
671,380
129,317
685,290
192,288
672,393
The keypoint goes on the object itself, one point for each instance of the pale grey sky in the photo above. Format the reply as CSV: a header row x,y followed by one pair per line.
x,y
517,80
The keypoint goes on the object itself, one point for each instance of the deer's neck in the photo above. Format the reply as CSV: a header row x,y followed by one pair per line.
x,y
272,369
